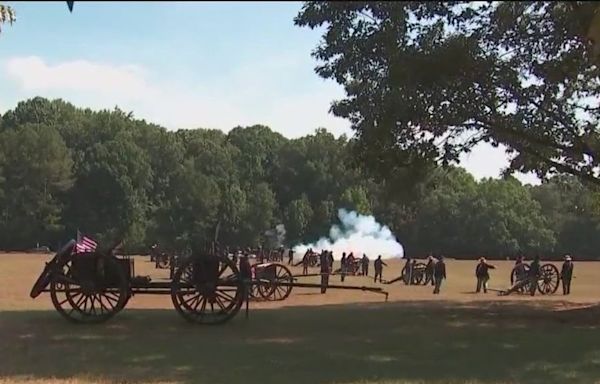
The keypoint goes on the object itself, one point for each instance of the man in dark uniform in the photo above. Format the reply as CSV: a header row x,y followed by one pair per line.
x,y
350,263
566,274
408,271
290,256
260,255
439,274
343,266
534,275
429,270
246,274
330,259
305,262
324,259
365,265
378,265
521,279
482,274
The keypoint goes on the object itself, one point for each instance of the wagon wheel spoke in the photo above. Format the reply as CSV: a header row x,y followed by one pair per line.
x,y
225,294
103,307
215,284
111,298
222,269
193,297
281,292
219,303
203,307
77,305
110,303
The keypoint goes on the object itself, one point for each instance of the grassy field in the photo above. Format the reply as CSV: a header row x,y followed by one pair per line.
x,y
339,337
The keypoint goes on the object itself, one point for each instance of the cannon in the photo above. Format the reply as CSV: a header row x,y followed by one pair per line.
x,y
94,286
548,280
419,276
267,275
206,288
161,259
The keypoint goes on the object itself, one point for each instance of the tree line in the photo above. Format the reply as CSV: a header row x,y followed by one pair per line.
x,y
113,176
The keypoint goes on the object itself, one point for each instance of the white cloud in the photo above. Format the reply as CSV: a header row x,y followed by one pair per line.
x,y
264,92
33,74
252,94
486,161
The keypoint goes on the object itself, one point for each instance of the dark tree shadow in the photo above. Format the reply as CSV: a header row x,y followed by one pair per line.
x,y
429,342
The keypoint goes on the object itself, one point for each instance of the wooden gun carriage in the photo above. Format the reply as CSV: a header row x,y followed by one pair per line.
x,y
207,289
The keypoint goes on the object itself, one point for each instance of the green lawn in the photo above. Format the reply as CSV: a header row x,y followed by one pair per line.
x,y
384,343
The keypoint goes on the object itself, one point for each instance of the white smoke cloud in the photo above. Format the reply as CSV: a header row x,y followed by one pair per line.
x,y
358,234
276,236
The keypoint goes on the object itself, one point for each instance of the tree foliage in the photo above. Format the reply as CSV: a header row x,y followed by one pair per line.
x,y
7,15
426,81
113,176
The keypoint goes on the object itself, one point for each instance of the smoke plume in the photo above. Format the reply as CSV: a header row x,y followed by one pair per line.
x,y
276,236
358,234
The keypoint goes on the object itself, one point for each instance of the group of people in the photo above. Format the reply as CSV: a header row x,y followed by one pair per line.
x,y
434,273
526,279
349,264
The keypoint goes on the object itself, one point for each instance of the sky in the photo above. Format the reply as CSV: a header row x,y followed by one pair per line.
x,y
182,65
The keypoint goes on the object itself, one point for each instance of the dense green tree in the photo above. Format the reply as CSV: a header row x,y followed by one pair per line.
x,y
258,146
259,215
356,199
298,215
111,175
504,220
109,196
36,170
189,216
572,212
429,80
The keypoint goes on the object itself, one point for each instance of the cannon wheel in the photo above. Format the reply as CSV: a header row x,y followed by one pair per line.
x,y
418,277
162,261
274,292
419,274
513,277
94,298
207,290
312,261
549,279
55,264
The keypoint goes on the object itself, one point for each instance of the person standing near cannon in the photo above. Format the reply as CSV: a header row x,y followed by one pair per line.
x,y
305,262
521,278
343,266
408,271
325,271
290,256
482,274
566,274
260,255
350,263
378,265
365,265
429,270
330,259
439,274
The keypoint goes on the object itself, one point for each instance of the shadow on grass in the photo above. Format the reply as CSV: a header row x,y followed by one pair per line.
x,y
420,342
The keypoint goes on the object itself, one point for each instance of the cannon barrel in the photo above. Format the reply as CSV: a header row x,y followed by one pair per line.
x,y
329,286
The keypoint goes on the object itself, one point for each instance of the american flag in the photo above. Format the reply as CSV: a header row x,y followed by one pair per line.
x,y
84,244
